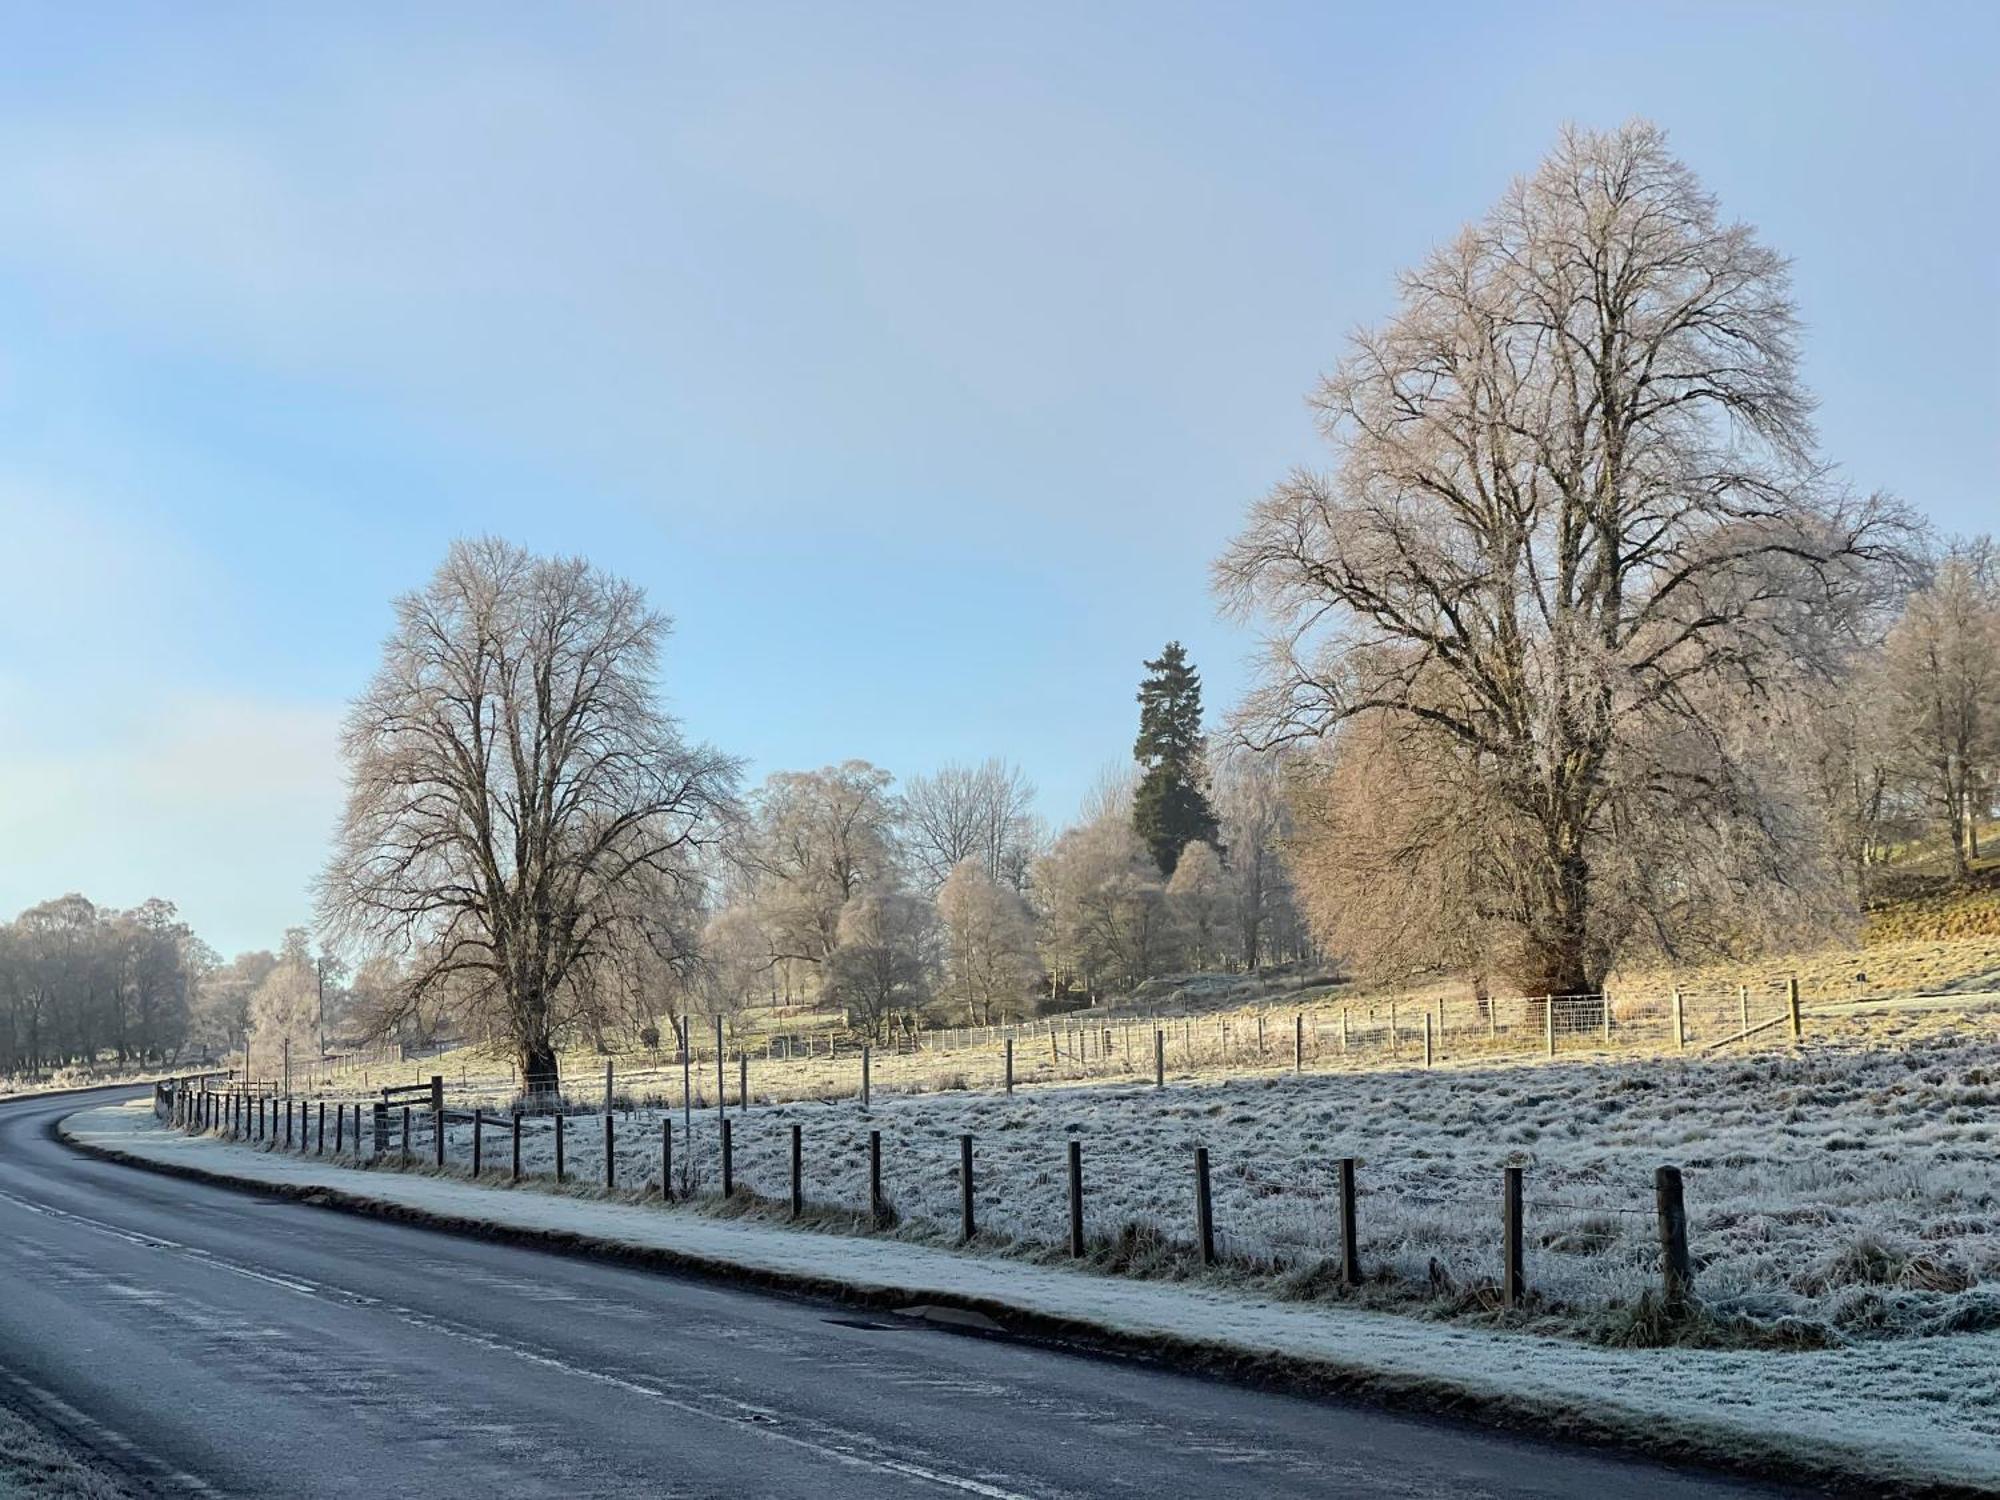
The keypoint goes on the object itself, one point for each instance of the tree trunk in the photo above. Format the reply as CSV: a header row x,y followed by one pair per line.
x,y
538,1068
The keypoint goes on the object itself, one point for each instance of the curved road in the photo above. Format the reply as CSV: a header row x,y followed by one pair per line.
x,y
213,1342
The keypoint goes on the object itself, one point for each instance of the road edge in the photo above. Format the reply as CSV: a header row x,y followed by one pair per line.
x,y
1732,1452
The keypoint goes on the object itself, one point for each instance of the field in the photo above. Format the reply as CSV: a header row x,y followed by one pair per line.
x,y
1842,1190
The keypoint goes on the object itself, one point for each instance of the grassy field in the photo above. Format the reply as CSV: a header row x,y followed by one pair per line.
x,y
1837,1191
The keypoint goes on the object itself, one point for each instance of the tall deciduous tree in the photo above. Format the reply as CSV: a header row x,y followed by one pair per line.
x,y
1170,806
965,812
519,807
1574,529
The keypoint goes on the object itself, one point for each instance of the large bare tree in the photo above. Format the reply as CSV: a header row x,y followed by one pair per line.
x,y
1575,527
521,813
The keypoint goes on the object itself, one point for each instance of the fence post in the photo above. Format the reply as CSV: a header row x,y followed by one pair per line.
x,y
866,1053
1159,1058
1343,1033
559,1140
875,1178
721,1099
1675,1261
339,1128
437,1113
1010,1065
320,1149
478,1140
406,1135
798,1172
1511,1263
1395,1033
610,1155
667,1159
1260,1033
1076,1199
1427,1039
728,1160
743,1080
608,1079
1743,1006
1350,1237
516,1177
1792,1000
1549,1023
1299,1042
1204,1216
1680,1021
1604,1014
965,1217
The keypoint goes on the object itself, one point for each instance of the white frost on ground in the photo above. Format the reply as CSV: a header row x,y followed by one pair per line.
x,y
1834,1193
1912,1409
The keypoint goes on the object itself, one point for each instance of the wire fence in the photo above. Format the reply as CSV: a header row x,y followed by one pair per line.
x,y
1323,1218
1082,1047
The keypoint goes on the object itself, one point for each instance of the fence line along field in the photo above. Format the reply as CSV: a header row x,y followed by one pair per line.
x,y
1318,1027
1838,1190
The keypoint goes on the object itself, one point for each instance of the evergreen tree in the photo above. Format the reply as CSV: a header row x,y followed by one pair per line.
x,y
1170,808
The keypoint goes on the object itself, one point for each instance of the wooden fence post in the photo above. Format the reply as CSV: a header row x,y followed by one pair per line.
x,y
1792,1000
1159,1058
1549,1023
864,1076
1299,1042
1512,1266
1395,1033
610,1154
1680,1021
320,1149
1010,1065
1343,1033
437,1114
559,1141
965,1214
339,1128
1743,1007
478,1139
743,1080
1604,1015
667,1159
516,1174
1204,1215
798,1172
1677,1265
1076,1200
875,1214
406,1136
1350,1237
1427,1039
728,1161
1260,1033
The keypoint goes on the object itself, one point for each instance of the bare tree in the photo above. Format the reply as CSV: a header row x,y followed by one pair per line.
x,y
884,964
1256,816
519,807
963,812
1103,909
1943,672
818,839
1574,526
989,941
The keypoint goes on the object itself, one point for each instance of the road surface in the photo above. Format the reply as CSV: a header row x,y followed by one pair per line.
x,y
214,1342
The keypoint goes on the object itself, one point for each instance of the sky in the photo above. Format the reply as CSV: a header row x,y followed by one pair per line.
x,y
916,359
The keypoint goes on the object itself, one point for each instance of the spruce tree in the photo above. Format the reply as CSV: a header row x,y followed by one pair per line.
x,y
1170,809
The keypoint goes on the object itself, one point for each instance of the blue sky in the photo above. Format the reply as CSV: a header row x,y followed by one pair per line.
x,y
917,359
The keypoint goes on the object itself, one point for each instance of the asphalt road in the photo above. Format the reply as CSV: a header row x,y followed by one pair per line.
x,y
208,1341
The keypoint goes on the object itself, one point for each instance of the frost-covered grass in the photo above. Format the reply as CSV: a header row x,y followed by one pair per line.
x,y
1843,1191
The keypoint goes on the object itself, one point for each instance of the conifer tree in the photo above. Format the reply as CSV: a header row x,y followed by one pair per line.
x,y
1170,808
